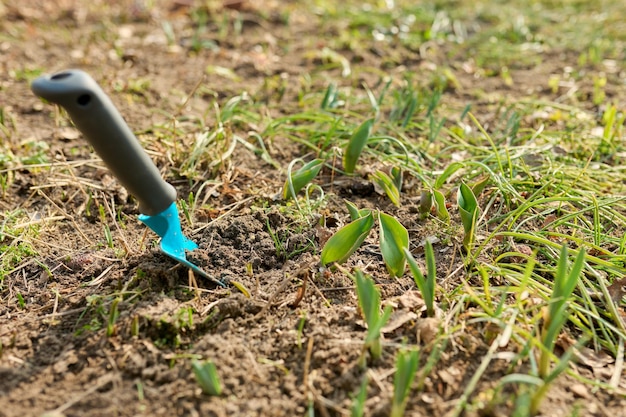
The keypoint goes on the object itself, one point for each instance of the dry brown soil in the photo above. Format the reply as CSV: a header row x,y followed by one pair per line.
x,y
289,347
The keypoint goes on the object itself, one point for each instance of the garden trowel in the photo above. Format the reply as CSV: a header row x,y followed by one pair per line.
x,y
96,117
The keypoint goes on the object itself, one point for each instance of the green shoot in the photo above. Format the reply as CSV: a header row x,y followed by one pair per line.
x,y
468,209
114,313
406,367
450,169
358,404
369,303
564,284
207,377
347,240
331,98
355,212
297,180
388,184
440,206
426,285
108,237
394,239
356,144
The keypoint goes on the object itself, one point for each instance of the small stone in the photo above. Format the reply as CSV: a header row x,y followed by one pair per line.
x,y
579,390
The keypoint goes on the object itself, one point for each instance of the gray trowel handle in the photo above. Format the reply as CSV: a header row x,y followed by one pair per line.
x,y
96,117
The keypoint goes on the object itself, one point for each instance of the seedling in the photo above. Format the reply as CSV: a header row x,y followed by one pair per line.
x,y
114,313
356,144
390,184
393,239
331,98
426,204
347,240
564,284
298,180
440,206
406,367
468,209
426,284
358,404
369,303
207,377
535,386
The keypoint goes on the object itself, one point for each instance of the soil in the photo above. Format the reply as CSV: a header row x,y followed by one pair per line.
x,y
295,343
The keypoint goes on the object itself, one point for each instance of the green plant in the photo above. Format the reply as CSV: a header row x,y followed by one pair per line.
x,y
468,209
358,403
347,240
355,145
534,386
207,377
426,284
113,315
297,180
391,184
331,98
393,239
406,367
369,303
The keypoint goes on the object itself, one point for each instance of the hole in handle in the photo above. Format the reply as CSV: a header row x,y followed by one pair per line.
x,y
83,99
60,76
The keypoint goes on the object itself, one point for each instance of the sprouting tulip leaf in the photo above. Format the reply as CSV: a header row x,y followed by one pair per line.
x,y
426,285
426,203
301,177
330,97
356,144
369,302
394,238
347,240
406,367
468,210
355,212
388,185
451,169
368,297
479,186
396,175
440,205
207,377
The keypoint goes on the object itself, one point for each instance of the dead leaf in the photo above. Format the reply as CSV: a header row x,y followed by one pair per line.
x,y
617,290
398,319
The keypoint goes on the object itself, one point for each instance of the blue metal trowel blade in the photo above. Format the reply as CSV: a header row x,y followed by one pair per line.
x,y
173,243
